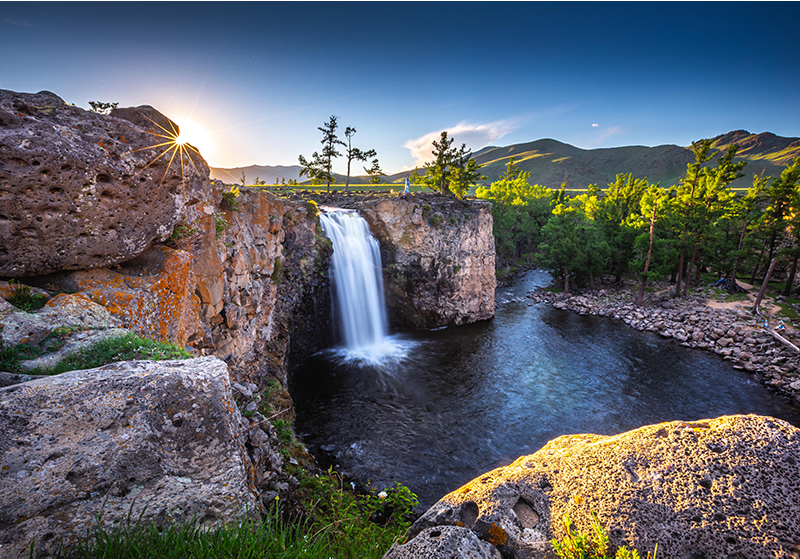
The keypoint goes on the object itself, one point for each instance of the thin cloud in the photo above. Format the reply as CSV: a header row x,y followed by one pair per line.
x,y
16,23
605,134
475,136
595,125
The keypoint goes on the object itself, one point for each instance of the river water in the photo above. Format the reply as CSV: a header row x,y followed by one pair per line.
x,y
454,403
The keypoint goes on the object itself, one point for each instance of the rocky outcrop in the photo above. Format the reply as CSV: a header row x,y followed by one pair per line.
x,y
261,279
438,256
160,440
721,488
70,180
152,294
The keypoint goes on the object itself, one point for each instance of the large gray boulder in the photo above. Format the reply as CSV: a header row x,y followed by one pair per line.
x,y
82,190
160,440
722,488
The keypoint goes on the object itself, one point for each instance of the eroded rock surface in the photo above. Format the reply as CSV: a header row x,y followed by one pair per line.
x,y
438,256
70,180
157,439
721,488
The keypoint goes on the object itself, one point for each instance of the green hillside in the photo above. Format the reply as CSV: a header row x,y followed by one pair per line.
x,y
552,163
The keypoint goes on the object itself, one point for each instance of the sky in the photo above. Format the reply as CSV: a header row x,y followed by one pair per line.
x,y
251,82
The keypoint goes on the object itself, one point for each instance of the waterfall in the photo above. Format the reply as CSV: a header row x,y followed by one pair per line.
x,y
357,283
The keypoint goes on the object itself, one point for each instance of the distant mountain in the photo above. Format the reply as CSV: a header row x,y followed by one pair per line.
x,y
552,163
268,173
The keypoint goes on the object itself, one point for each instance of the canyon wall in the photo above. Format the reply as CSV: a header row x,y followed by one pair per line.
x,y
438,256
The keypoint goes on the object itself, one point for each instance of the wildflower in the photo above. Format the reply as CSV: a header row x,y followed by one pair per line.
x,y
382,494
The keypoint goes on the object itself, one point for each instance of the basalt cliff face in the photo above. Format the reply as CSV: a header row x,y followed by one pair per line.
x,y
438,256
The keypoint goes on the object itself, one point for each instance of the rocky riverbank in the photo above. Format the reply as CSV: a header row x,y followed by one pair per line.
x,y
701,320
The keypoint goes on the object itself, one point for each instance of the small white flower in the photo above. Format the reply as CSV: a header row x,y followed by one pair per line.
x,y
382,495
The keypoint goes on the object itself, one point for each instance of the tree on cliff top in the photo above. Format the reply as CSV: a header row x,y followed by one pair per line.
x,y
320,167
453,170
355,154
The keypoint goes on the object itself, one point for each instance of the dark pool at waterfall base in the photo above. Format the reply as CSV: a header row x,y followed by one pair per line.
x,y
454,403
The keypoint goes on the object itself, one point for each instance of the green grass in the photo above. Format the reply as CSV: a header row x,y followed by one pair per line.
x,y
23,298
339,524
116,349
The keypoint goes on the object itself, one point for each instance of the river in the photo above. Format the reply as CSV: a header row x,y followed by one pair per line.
x,y
457,402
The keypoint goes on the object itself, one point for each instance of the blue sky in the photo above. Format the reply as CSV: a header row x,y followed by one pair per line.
x,y
254,80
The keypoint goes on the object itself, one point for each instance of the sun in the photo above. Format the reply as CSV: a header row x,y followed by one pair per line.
x,y
196,135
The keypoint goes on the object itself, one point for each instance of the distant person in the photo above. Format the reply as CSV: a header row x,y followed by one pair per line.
x,y
407,190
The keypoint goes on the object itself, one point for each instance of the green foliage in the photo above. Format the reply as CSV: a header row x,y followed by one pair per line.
x,y
102,107
452,170
519,212
230,199
320,168
375,172
117,349
220,225
182,230
24,298
591,545
356,154
277,272
340,524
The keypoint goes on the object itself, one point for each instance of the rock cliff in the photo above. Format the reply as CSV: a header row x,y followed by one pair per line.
x,y
438,256
721,488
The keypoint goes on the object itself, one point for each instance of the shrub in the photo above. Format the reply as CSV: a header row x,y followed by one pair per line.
x,y
25,299
220,225
230,199
181,230
593,545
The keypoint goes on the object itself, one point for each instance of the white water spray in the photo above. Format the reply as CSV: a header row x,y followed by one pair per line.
x,y
358,285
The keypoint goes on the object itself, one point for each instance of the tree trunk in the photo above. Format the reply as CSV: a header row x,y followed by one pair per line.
x,y
347,181
566,280
738,251
788,289
764,284
647,262
689,271
591,281
680,273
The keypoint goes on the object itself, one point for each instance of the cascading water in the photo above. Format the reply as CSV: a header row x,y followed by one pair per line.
x,y
358,286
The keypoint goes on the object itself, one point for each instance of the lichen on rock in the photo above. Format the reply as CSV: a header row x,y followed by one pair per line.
x,y
718,488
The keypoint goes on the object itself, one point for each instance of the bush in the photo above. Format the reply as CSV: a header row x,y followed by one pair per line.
x,y
230,199
25,299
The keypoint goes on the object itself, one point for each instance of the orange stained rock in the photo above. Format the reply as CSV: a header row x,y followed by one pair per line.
x,y
158,304
497,535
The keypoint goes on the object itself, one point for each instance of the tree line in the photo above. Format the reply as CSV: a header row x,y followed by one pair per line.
x,y
654,232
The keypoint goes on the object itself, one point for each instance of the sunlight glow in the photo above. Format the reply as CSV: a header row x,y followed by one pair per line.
x,y
195,135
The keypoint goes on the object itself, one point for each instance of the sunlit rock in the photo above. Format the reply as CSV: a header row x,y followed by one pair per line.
x,y
82,190
721,488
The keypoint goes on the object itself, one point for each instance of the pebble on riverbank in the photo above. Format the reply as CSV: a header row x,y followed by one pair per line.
x,y
695,321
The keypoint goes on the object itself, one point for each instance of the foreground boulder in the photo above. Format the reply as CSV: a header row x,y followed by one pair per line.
x,y
70,180
722,488
160,440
